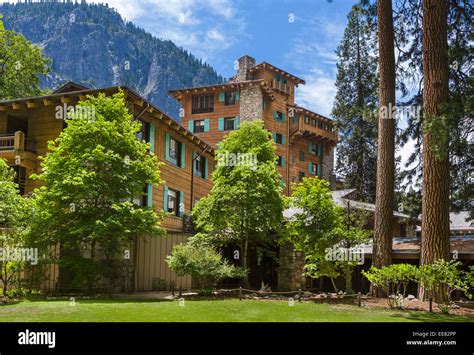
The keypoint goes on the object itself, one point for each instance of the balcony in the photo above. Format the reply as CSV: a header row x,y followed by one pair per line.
x,y
280,86
301,127
18,150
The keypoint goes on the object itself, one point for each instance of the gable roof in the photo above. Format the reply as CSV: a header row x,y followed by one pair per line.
x,y
131,95
69,87
266,65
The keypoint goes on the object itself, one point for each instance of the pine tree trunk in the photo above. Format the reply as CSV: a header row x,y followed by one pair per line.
x,y
382,251
435,196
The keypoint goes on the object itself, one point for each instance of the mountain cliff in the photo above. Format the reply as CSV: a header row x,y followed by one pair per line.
x,y
92,45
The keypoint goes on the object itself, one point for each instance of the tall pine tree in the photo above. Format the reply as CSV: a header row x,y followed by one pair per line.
x,y
356,100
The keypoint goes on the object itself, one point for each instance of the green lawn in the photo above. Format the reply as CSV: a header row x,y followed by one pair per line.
x,y
113,310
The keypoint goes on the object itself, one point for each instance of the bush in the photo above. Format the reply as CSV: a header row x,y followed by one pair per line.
x,y
203,263
394,280
442,278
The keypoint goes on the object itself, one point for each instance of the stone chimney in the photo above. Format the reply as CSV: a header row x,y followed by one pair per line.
x,y
245,63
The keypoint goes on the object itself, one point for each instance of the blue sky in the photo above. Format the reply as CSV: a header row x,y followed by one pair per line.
x,y
299,36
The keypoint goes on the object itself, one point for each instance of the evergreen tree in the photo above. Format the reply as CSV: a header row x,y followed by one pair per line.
x,y
458,112
356,100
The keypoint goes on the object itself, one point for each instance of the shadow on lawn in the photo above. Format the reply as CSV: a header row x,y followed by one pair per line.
x,y
424,316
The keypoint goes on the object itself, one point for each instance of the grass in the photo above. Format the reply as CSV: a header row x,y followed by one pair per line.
x,y
230,310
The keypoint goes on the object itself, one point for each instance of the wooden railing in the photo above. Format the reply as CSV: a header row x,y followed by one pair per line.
x,y
17,141
330,133
7,142
278,85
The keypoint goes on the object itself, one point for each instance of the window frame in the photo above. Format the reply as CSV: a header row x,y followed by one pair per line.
x,y
229,119
199,124
232,100
200,104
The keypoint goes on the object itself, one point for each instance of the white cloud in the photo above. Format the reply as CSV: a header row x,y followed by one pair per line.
x,y
205,27
318,94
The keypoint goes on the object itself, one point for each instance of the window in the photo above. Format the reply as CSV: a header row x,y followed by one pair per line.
x,y
143,198
306,119
174,151
199,126
314,122
20,178
144,133
314,168
280,161
229,124
278,138
200,167
302,157
279,115
301,176
320,124
203,103
230,98
173,202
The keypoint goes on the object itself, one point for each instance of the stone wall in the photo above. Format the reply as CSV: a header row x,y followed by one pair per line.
x,y
245,63
251,102
290,271
328,166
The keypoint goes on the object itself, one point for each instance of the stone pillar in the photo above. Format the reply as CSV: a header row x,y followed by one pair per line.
x,y
245,63
251,103
328,165
290,271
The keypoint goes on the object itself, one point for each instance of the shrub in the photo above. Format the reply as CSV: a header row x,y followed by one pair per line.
x,y
394,280
203,263
442,278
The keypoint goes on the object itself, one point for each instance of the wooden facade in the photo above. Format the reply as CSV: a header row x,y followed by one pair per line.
x,y
305,141
26,126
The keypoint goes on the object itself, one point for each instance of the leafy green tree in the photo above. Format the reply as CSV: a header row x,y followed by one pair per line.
x,y
92,174
245,204
14,222
356,101
21,65
319,228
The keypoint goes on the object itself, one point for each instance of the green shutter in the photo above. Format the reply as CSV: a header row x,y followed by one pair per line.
x,y
152,137
284,117
206,168
221,96
237,96
165,198
167,146
181,203
183,156
282,161
191,126
274,137
237,122
221,123
310,167
319,169
275,115
320,149
194,163
150,195
282,139
206,125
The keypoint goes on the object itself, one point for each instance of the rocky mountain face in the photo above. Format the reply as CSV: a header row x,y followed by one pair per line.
x,y
92,45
